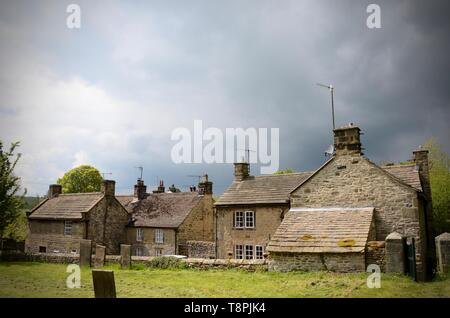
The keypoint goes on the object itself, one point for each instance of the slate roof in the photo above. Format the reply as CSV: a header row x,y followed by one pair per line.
x,y
266,189
406,173
66,206
165,210
323,230
127,201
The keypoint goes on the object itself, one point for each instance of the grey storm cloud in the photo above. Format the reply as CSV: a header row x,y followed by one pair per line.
x,y
111,92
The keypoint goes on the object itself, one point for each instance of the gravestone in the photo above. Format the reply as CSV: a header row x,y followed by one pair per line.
x,y
85,252
104,284
100,252
125,256
443,252
395,253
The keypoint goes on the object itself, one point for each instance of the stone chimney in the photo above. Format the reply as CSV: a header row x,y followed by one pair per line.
x,y
347,140
140,190
241,170
54,190
421,161
422,164
108,187
205,186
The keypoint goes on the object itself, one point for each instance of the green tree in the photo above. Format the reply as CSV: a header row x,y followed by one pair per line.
x,y
285,171
439,165
10,200
81,179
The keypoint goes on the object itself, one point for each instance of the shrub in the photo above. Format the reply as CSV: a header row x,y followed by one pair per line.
x,y
166,262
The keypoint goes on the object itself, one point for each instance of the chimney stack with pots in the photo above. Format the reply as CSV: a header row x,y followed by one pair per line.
x,y
140,189
205,186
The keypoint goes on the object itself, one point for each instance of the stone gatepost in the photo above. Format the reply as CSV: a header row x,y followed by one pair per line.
x,y
85,252
125,256
395,253
443,252
100,253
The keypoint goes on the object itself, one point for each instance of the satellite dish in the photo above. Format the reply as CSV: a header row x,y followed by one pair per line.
x,y
329,151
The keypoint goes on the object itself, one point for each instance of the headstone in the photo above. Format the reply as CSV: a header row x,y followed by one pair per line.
x,y
125,256
395,253
443,252
100,252
104,284
85,252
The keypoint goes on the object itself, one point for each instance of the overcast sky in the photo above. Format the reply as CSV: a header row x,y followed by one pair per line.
x,y
110,93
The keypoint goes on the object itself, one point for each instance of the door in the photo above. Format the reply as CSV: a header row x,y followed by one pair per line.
x,y
410,253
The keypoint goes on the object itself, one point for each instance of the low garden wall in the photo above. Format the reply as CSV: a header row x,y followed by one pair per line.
x,y
375,254
201,263
342,262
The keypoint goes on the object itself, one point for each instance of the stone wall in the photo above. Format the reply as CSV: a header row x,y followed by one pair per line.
x,y
199,224
353,181
107,221
267,220
201,249
10,256
375,254
200,263
338,262
116,219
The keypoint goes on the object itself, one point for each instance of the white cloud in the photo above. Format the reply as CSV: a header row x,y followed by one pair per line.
x,y
62,124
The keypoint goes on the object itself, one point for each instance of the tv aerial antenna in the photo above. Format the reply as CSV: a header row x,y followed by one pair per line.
x,y
247,153
330,149
331,88
141,169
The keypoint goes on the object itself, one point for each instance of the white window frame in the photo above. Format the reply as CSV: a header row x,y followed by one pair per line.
x,y
239,251
139,251
259,249
158,251
159,236
249,216
68,228
139,234
249,248
239,220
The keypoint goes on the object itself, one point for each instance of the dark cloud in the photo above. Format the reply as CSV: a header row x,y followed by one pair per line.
x,y
241,64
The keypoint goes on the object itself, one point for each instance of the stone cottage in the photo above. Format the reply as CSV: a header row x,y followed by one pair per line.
x,y
166,223
350,201
59,223
250,210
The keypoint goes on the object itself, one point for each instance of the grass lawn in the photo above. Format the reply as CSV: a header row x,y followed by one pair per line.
x,y
49,280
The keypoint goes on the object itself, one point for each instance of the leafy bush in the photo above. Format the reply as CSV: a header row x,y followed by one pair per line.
x,y
166,262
